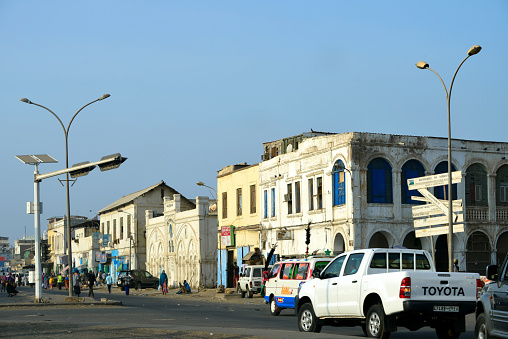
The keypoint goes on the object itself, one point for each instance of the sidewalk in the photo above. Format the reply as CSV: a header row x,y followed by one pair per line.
x,y
26,297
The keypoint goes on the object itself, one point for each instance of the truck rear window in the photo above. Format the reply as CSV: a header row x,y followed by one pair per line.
x,y
410,261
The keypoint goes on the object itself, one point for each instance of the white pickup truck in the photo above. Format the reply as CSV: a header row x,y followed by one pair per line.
x,y
381,289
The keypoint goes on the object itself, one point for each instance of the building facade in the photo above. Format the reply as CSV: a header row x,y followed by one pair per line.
x,y
183,241
239,217
352,190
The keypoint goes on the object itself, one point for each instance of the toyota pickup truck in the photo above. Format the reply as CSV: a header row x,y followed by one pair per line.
x,y
381,289
492,307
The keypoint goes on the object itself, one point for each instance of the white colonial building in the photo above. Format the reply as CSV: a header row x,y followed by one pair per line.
x,y
183,241
352,190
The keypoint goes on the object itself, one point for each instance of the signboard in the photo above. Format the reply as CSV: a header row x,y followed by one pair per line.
x,y
106,238
427,232
284,235
431,209
433,180
458,218
227,235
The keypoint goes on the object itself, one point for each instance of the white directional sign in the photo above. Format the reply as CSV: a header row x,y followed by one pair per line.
x,y
433,180
427,232
431,209
425,222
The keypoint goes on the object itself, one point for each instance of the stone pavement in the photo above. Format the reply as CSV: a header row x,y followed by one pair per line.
x,y
26,297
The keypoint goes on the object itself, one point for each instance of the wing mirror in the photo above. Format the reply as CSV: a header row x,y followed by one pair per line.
x,y
492,272
316,273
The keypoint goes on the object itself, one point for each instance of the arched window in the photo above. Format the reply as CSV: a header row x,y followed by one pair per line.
x,y
379,182
411,169
339,184
441,192
476,186
502,186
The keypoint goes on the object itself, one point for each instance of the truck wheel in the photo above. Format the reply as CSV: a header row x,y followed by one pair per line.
x,y
242,293
446,330
480,329
375,323
138,286
307,320
274,309
250,293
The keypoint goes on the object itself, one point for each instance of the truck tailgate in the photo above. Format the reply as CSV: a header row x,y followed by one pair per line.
x,y
443,286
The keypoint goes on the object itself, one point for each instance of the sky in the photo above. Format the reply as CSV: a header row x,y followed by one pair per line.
x,y
199,85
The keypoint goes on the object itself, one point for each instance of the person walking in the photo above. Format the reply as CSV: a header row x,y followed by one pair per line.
x,y
91,282
3,279
59,281
109,282
163,282
76,284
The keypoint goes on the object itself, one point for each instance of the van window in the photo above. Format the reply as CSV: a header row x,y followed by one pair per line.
x,y
422,263
333,270
257,272
378,261
353,263
246,272
287,271
394,261
301,273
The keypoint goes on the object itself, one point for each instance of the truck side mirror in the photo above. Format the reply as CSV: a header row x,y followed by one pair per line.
x,y
316,273
491,272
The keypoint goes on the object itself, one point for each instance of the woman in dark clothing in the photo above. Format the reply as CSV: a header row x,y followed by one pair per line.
x,y
11,290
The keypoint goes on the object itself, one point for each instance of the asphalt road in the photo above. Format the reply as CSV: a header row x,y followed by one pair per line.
x,y
153,315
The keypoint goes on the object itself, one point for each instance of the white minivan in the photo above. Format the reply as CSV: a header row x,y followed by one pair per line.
x,y
285,278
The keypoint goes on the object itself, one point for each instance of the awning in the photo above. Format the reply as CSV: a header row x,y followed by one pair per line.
x,y
249,255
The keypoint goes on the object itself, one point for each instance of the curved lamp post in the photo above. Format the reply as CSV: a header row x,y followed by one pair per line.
x,y
423,65
66,134
200,183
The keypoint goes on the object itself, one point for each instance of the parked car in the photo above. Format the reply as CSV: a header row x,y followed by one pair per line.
x,y
137,279
250,280
285,278
381,289
492,307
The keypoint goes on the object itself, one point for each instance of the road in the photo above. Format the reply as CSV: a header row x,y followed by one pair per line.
x,y
149,314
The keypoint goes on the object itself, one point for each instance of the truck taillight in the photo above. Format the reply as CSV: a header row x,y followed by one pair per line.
x,y
479,286
405,288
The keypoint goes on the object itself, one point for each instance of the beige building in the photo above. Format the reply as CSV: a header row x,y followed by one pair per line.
x,y
239,217
183,241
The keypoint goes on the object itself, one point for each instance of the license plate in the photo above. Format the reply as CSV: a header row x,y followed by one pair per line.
x,y
446,308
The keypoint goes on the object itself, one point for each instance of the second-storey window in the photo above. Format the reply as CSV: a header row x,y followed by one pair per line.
x,y
238,201
224,205
273,201
289,198
265,203
298,205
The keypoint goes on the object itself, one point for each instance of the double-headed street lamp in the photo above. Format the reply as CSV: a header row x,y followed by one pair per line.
x,y
66,134
423,65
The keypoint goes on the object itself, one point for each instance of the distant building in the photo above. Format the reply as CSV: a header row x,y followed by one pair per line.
x,y
5,253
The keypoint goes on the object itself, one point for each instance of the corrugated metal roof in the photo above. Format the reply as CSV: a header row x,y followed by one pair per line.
x,y
128,198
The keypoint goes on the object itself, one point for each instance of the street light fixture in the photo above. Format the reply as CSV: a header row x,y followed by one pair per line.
x,y
66,134
423,65
36,210
200,183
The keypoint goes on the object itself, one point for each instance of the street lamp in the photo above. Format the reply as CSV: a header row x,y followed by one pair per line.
x,y
36,210
423,65
66,134
200,183
130,239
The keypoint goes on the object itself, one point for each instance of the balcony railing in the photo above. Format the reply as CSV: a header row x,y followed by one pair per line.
x,y
477,213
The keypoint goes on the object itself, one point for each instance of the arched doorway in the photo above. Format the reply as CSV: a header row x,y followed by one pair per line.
x,y
378,240
442,253
502,248
412,242
478,252
339,245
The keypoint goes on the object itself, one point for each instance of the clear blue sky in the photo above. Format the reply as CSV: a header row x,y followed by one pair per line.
x,y
199,85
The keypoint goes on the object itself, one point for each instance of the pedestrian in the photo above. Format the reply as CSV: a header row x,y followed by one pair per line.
x,y
455,265
45,281
76,283
91,282
59,281
19,279
109,282
11,290
236,274
3,280
186,286
51,279
163,282
66,283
